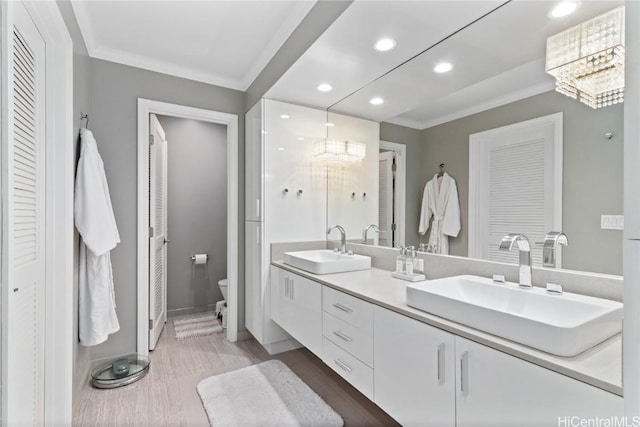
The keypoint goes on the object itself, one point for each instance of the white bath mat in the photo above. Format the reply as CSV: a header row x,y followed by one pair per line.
x,y
268,394
196,325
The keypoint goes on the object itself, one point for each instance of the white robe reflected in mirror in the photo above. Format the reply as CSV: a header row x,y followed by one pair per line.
x,y
440,201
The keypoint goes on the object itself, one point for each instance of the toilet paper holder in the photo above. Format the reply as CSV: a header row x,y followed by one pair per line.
x,y
193,257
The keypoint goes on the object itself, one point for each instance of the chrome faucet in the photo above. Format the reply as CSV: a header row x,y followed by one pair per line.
x,y
366,230
343,237
507,244
552,240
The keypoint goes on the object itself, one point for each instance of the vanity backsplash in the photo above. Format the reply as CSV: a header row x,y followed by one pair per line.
x,y
438,266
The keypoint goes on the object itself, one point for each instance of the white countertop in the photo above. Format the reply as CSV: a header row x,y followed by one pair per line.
x,y
601,366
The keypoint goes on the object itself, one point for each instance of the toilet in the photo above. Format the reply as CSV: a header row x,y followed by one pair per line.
x,y
221,306
223,288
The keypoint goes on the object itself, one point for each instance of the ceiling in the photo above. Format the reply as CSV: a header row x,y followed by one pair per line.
x,y
497,60
222,42
344,56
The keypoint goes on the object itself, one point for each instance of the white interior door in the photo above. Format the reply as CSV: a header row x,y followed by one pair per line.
x,y
24,256
157,230
385,201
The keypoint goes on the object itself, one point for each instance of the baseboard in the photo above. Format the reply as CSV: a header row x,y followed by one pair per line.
x,y
190,310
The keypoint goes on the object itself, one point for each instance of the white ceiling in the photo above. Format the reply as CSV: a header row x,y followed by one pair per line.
x,y
344,56
497,60
222,42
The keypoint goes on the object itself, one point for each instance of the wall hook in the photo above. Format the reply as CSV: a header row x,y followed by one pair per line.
x,y
608,135
364,194
353,194
84,117
285,191
299,192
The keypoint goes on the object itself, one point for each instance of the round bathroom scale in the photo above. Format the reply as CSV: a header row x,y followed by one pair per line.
x,y
121,371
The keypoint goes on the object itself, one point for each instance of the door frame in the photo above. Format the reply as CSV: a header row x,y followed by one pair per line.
x,y
146,107
60,167
400,188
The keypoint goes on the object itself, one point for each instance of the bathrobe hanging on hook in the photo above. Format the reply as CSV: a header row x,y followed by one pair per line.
x,y
97,226
440,201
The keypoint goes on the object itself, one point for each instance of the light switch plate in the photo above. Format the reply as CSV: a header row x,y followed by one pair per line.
x,y
612,222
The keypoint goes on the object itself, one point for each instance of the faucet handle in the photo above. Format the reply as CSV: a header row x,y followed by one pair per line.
x,y
499,278
554,289
554,238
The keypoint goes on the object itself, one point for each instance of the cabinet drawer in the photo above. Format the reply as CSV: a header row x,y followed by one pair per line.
x,y
352,310
348,367
348,337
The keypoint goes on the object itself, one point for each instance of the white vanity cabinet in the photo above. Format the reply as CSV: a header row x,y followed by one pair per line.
x,y
296,305
254,122
414,372
347,344
422,375
502,390
285,201
428,377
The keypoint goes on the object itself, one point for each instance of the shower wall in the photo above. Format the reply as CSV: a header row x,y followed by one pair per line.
x,y
197,211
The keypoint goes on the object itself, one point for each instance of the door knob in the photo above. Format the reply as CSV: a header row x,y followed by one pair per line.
x,y
167,241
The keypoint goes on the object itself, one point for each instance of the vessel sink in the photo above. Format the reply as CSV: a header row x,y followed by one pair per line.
x,y
564,325
325,261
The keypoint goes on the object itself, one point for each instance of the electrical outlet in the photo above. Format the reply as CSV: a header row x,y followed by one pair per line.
x,y
612,222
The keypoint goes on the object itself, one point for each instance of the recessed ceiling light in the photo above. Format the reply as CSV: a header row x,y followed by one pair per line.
x,y
284,116
280,148
376,101
329,125
300,138
563,9
443,67
384,45
324,87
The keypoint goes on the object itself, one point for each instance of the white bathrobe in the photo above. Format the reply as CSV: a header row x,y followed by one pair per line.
x,y
97,226
440,200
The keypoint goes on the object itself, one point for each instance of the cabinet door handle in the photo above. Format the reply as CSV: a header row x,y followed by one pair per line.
x,y
286,287
464,373
257,208
342,336
257,235
441,352
343,308
343,365
293,290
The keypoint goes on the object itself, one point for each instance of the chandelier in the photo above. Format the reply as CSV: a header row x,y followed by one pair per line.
x,y
587,60
338,150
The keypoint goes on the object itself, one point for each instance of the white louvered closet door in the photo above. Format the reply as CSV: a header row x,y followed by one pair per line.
x,y
158,239
25,211
515,186
385,200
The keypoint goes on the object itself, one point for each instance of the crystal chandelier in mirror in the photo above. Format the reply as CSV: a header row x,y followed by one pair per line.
x,y
587,60
339,150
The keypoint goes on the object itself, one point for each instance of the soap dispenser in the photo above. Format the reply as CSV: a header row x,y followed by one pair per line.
x,y
408,263
418,263
400,259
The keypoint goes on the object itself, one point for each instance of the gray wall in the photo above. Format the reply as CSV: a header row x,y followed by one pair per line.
x,y
412,138
81,101
115,89
592,181
197,210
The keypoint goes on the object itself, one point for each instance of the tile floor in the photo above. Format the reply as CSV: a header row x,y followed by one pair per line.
x,y
167,396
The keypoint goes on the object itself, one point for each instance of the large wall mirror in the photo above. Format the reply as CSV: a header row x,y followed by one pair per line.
x,y
498,79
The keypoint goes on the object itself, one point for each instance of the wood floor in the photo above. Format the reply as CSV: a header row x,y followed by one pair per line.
x,y
167,396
